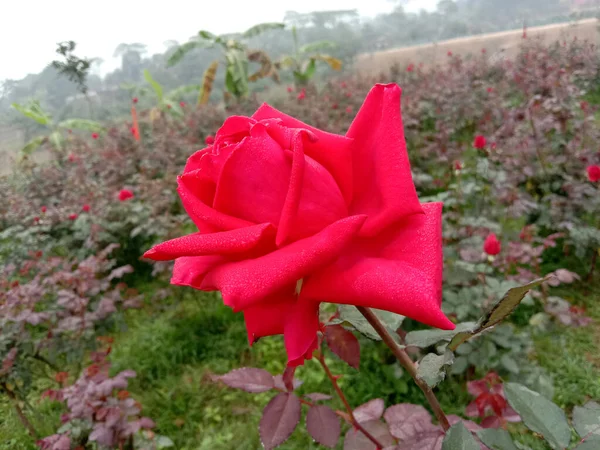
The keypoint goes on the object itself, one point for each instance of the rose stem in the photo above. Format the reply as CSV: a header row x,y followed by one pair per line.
x,y
407,363
344,400
22,417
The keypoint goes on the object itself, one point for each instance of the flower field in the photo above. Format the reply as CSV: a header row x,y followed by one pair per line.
x,y
99,351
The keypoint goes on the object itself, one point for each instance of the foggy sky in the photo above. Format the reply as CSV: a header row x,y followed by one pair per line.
x,y
30,29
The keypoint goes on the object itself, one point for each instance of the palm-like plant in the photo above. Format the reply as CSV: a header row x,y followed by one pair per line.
x,y
237,57
304,60
55,135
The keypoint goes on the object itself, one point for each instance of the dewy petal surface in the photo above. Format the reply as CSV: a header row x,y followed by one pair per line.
x,y
242,242
246,283
383,185
398,271
190,270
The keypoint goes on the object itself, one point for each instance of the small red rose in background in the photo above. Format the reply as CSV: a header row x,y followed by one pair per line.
x,y
182,104
479,142
490,403
85,208
492,245
95,135
72,216
348,94
36,219
483,50
349,109
335,106
71,157
290,216
125,194
410,68
290,89
593,173
44,209
209,140
302,94
458,165
490,90
449,53
134,99
344,85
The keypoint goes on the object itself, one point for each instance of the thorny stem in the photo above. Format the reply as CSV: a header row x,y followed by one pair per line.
x,y
344,400
536,141
22,417
407,363
308,403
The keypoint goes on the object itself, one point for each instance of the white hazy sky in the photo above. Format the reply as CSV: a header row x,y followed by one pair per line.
x,y
29,29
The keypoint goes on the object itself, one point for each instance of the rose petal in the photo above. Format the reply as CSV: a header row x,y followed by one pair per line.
x,y
190,270
332,151
268,318
245,242
383,185
313,199
399,271
245,283
300,331
254,180
206,218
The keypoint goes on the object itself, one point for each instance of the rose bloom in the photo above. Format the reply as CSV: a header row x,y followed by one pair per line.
x,y
125,194
95,135
44,209
593,173
302,94
290,216
492,245
72,216
479,142
85,208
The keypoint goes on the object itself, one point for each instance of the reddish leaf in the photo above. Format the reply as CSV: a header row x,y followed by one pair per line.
x,y
323,425
280,417
356,440
249,379
372,410
317,396
344,344
406,420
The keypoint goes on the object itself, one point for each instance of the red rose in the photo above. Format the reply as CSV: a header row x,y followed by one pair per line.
x,y
72,216
125,194
209,140
492,245
182,104
479,142
44,209
593,173
290,89
302,94
291,216
95,135
134,99
449,53
86,208
349,109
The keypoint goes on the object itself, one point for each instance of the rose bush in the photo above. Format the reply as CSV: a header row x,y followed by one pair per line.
x,y
291,216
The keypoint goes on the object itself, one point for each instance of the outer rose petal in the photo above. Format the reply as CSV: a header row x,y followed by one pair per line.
x,y
383,185
206,218
300,331
190,270
332,151
398,271
268,318
246,283
243,242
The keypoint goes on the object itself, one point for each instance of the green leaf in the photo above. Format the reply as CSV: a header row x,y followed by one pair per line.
x,y
497,313
163,442
310,68
586,420
496,439
539,414
459,438
56,139
158,90
33,112
181,51
317,46
179,92
350,314
237,71
81,124
33,145
509,363
431,367
207,35
427,338
261,28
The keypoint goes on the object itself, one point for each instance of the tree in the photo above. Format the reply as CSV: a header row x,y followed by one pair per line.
x,y
74,68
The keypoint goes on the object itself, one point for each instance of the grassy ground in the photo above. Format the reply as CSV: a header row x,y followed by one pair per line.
x,y
174,346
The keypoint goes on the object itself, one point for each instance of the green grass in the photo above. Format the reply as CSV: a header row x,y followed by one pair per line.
x,y
175,346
